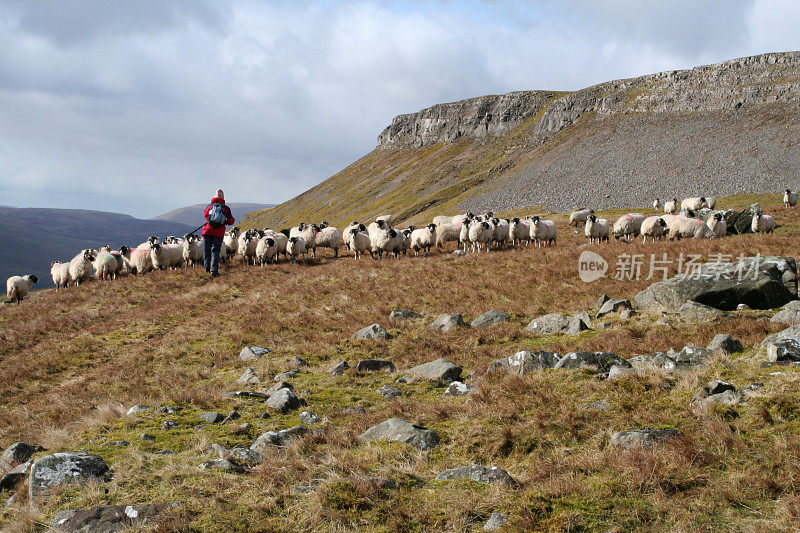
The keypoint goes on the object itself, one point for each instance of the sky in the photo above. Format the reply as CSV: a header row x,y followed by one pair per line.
x,y
144,106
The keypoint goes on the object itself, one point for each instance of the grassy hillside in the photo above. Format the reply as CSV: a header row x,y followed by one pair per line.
x,y
71,364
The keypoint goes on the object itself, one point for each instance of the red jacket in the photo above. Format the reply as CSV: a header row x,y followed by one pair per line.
x,y
220,231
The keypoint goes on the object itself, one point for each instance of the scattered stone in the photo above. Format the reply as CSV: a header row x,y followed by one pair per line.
x,y
138,408
602,325
247,394
584,317
109,519
692,310
448,322
243,428
602,360
375,365
198,427
460,253
307,417
613,305
713,387
284,376
789,314
277,438
339,368
146,436
642,437
525,362
716,392
353,411
226,465
489,318
168,410
496,522
457,388
389,392
439,370
375,332
67,468
556,323
693,355
278,386
397,429
239,455
743,307
284,400
617,371
15,476
248,377
481,474
600,405
18,453
233,415
211,417
627,314
779,351
297,362
169,424
401,315
251,353
725,344
117,443
166,452
601,301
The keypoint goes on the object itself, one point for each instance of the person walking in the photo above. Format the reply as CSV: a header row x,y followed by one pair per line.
x,y
217,216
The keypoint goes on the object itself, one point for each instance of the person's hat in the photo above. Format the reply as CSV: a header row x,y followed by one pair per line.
x,y
220,194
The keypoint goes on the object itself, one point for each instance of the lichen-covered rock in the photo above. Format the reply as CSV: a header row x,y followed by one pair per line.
x,y
786,350
496,522
265,441
339,368
525,362
251,353
375,332
397,429
478,473
603,361
439,370
489,318
725,344
642,437
556,323
226,465
66,468
389,392
375,365
692,310
18,453
248,377
613,305
457,388
398,316
138,408
110,519
448,322
211,417
284,400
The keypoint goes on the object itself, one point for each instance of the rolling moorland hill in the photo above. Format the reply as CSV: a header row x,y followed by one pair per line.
x,y
73,363
192,215
38,236
719,129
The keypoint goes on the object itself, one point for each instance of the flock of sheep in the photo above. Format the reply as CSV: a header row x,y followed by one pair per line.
x,y
476,233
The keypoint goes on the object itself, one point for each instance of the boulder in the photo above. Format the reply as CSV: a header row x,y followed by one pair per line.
x,y
15,476
246,394
489,318
496,522
716,392
759,282
339,368
439,370
725,344
692,310
226,465
627,314
375,365
297,362
111,518
584,317
397,429
375,332
601,300
556,323
138,408
283,376
448,322
739,222
602,360
284,400
641,363
278,386
457,388
617,371
693,355
277,438
251,353
481,474
399,316
789,314
389,392
66,468
642,437
780,351
168,425
18,453
307,417
613,305
211,417
248,377
525,362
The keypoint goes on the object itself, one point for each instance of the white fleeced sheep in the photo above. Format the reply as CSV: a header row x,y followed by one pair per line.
x,y
395,243
405,239
442,219
105,266
716,223
693,204
118,256
146,244
247,246
137,260
329,237
281,241
671,206
596,229
689,228
463,217
628,225
762,224
18,287
789,198
711,202
308,233
499,231
657,204
80,267
295,248
359,242
653,227
348,233
423,238
480,235
386,218
578,218
380,238
60,273
231,242
543,232
463,234
266,250
166,255
446,232
519,231
193,250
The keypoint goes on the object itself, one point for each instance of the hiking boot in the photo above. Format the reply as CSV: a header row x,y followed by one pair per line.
x,y
215,274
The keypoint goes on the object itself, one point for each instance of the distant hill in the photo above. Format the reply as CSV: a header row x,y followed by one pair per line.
x,y
192,215
38,236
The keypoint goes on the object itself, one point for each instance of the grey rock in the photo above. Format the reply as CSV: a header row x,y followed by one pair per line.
x,y
496,522
169,424
448,322
226,465
284,376
18,453
116,443
478,473
600,405
401,315
297,362
239,455
525,362
602,325
60,469
613,305
460,253
168,410
109,519
743,307
397,429
389,392
555,323
357,410
375,332
789,314
307,417
457,388
278,386
146,436
584,317
489,318
601,301
498,365
439,370
693,355
375,365
627,314
786,350
251,353
247,394
706,405
266,441
211,417
617,371
11,479
725,344
339,368
692,310
284,400
138,408
642,437
712,388
248,377
233,415
603,361
766,282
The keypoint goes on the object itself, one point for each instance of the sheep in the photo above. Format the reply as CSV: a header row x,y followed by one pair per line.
x,y
446,232
579,217
689,228
329,237
657,204
60,273
596,229
247,245
671,206
463,234
762,224
80,267
266,250
442,220
308,233
385,218
711,202
281,241
500,231
717,224
137,260
463,217
295,248
789,198
230,242
379,237
18,287
118,256
543,231
654,227
423,239
166,255
395,243
519,230
347,233
146,244
172,239
105,266
405,239
480,235
693,204
193,250
628,225
359,242
687,213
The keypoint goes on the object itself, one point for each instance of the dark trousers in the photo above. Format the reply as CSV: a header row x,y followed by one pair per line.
x,y
211,248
